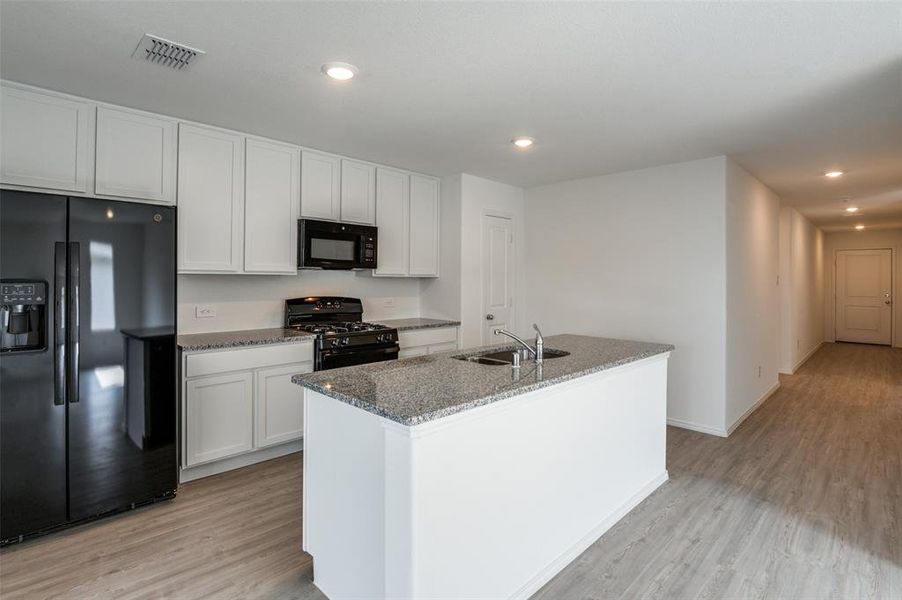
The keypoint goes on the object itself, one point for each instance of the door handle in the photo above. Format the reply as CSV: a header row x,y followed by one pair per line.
x,y
490,317
72,319
59,323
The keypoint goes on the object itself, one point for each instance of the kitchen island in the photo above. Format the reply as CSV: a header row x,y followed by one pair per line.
x,y
435,477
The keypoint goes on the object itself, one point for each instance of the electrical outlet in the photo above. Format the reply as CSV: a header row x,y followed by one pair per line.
x,y
204,311
388,303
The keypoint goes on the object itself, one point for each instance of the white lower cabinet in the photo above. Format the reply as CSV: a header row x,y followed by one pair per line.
x,y
219,412
239,406
418,342
280,405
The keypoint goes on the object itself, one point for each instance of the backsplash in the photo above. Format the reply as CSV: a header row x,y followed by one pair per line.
x,y
257,301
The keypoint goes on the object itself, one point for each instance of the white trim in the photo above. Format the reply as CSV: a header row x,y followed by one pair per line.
x,y
555,567
802,361
753,408
242,460
697,427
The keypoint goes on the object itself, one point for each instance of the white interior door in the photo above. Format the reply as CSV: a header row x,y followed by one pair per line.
x,y
864,300
497,274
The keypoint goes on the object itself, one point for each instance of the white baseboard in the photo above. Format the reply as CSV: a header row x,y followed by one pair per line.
x,y
696,427
555,567
753,408
802,361
242,460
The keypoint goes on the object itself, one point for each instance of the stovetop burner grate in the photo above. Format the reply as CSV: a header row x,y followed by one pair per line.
x,y
339,327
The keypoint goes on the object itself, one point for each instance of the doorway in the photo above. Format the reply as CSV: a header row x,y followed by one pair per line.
x,y
864,296
497,275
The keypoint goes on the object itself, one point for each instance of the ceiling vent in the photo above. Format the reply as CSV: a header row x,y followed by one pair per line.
x,y
165,53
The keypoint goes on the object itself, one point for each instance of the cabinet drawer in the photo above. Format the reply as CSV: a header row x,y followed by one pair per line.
x,y
207,363
427,337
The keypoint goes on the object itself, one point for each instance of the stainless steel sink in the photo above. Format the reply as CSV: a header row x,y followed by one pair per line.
x,y
505,357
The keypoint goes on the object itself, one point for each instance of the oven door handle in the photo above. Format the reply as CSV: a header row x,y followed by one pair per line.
x,y
360,350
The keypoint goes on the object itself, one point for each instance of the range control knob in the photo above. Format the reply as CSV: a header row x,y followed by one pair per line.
x,y
345,341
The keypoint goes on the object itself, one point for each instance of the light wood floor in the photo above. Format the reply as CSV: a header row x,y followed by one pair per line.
x,y
804,500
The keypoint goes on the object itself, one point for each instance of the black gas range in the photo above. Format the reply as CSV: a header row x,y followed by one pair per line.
x,y
342,338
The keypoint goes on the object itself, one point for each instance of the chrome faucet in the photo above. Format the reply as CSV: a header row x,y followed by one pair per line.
x,y
540,342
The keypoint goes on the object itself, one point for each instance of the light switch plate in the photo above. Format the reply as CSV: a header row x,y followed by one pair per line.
x,y
204,311
388,303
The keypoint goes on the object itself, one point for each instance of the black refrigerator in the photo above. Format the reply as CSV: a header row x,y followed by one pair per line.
x,y
88,381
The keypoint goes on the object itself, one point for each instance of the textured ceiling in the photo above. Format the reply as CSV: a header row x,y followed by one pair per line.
x,y
788,89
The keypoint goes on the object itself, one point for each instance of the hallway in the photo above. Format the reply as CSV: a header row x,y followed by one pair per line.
x,y
804,500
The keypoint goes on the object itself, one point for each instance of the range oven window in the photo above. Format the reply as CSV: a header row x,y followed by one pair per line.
x,y
326,249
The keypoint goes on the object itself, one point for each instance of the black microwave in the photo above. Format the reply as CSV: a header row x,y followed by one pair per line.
x,y
329,245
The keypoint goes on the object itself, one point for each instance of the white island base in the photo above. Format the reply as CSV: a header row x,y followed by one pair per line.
x,y
487,503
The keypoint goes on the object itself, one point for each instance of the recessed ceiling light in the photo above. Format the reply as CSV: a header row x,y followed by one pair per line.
x,y
523,142
339,71
859,227
851,209
833,174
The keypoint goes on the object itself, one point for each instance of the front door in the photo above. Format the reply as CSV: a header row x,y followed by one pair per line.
x,y
864,301
497,276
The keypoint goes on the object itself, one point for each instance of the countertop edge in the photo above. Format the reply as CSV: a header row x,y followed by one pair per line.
x,y
239,343
490,399
437,324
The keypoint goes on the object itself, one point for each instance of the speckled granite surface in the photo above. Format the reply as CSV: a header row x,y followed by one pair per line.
x,y
417,323
194,342
416,390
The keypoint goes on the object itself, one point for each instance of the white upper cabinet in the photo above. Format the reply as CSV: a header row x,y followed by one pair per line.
x,y
272,203
135,156
424,226
358,192
320,186
47,141
392,219
210,199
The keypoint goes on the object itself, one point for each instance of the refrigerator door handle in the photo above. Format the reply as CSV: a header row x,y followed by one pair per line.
x,y
72,324
59,323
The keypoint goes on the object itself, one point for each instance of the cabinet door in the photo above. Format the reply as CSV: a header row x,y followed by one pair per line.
x,y
320,186
271,205
47,141
280,405
393,221
358,192
424,226
135,156
210,199
219,417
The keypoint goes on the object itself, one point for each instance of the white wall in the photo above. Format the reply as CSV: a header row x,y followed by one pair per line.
x,y
258,301
457,294
478,198
851,240
639,255
807,288
753,302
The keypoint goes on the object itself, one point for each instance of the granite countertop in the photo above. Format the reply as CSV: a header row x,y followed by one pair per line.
x,y
417,323
194,342
419,389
